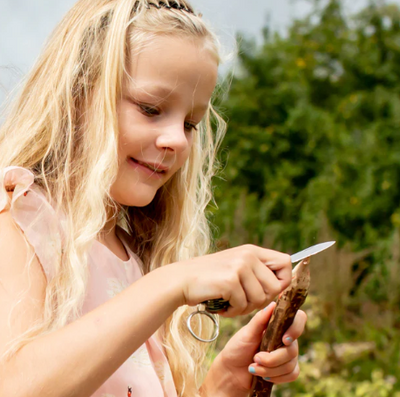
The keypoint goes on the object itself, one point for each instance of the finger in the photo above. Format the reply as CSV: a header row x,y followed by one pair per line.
x,y
296,329
278,357
254,291
237,303
278,262
253,331
285,378
281,265
268,280
282,370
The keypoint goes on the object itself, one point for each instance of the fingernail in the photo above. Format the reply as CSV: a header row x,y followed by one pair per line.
x,y
268,379
289,339
265,308
257,360
252,370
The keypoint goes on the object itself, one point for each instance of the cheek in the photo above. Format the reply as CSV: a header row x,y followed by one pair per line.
x,y
123,143
126,120
180,161
184,156
123,135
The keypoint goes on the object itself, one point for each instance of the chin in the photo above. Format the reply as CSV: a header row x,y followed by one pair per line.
x,y
133,200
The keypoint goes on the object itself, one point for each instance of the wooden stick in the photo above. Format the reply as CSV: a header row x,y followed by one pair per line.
x,y
290,300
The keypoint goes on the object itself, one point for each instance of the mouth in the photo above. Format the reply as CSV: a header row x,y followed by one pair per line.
x,y
154,168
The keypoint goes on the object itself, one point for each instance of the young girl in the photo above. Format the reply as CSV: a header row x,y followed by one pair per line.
x,y
106,157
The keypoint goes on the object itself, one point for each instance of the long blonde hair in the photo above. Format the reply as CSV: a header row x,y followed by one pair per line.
x,y
53,129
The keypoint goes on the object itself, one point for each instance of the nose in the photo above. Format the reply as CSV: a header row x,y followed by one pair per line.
x,y
173,138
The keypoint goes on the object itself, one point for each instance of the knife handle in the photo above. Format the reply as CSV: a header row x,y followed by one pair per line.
x,y
215,305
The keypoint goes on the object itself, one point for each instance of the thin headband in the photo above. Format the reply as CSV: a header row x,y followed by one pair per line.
x,y
171,5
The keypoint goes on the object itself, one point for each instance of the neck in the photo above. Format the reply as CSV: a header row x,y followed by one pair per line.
x,y
109,231
108,237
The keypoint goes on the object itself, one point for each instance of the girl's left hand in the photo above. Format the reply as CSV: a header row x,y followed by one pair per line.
x,y
240,359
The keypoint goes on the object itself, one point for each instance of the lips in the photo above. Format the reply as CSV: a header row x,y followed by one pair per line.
x,y
158,168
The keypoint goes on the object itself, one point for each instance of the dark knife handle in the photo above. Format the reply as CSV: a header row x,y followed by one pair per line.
x,y
215,305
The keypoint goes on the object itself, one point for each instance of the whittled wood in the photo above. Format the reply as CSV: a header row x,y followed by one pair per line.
x,y
282,318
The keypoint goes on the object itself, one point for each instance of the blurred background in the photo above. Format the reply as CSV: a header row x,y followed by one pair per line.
x,y
312,154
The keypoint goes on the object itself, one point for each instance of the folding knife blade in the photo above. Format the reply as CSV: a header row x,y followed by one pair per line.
x,y
315,249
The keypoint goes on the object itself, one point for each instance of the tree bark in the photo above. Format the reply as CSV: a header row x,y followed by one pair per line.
x,y
289,301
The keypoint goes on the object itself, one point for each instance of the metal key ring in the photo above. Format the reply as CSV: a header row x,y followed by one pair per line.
x,y
210,316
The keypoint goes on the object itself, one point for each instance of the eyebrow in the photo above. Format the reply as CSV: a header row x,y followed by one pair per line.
x,y
158,91
162,92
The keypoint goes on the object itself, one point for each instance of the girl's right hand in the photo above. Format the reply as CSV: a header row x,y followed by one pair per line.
x,y
248,276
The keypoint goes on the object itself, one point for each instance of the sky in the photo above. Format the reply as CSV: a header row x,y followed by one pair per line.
x,y
25,25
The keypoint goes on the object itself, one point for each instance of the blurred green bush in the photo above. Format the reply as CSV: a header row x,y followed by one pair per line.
x,y
312,154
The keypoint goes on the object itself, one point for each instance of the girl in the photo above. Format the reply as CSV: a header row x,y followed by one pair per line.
x,y
106,157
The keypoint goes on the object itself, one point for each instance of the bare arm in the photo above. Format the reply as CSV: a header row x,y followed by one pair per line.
x,y
79,358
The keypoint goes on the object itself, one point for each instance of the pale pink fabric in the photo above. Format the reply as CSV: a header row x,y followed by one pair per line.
x,y
147,371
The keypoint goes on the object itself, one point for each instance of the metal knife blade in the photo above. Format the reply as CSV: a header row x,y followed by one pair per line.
x,y
315,249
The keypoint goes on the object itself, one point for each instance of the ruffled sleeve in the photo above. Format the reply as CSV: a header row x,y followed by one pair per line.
x,y
33,213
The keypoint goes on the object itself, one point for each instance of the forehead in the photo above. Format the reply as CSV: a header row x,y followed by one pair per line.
x,y
169,65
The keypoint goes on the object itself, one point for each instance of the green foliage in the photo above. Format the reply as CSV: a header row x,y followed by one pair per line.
x,y
337,386
313,153
313,127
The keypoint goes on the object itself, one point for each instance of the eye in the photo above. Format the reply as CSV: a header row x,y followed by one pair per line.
x,y
148,110
189,126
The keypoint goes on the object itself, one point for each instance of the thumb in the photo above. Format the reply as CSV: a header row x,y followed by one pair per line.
x,y
253,331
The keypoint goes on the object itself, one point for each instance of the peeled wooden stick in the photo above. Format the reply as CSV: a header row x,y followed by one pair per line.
x,y
286,308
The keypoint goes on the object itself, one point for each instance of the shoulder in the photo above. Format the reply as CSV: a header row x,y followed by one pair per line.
x,y
13,246
22,282
29,218
14,181
15,254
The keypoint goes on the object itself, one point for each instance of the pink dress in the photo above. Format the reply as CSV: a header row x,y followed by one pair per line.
x,y
147,371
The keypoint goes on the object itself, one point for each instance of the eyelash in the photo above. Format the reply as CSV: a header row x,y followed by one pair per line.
x,y
149,110
191,127
152,112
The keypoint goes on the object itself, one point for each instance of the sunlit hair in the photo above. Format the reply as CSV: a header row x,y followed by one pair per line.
x,y
63,127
